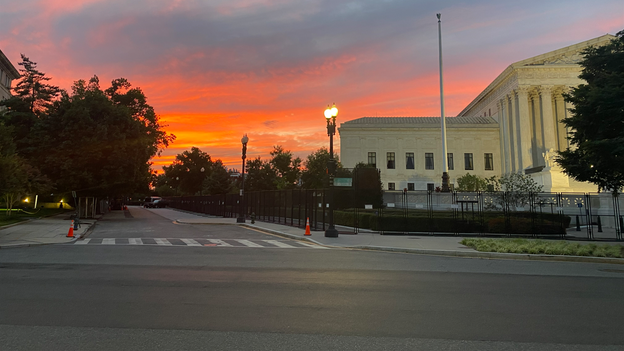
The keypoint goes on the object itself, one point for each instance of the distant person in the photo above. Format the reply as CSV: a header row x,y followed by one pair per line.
x,y
61,205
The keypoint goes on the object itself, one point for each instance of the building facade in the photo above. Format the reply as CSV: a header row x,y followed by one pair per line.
x,y
7,74
514,125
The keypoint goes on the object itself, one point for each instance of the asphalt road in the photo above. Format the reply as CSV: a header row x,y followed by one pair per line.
x,y
269,293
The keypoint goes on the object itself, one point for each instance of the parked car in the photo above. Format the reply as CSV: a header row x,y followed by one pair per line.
x,y
151,201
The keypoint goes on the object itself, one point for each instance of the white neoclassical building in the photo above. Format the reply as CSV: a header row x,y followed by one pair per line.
x,y
514,125
7,74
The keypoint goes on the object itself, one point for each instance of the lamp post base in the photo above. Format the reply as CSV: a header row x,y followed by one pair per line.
x,y
445,182
240,220
331,232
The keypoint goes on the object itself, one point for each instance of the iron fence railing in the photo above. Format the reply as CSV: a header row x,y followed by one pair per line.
x,y
582,215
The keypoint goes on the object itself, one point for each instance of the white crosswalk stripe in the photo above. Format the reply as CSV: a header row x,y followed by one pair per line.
x,y
161,241
248,243
200,242
191,242
278,244
135,241
219,242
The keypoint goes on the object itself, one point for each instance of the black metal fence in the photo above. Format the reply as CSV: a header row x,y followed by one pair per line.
x,y
590,216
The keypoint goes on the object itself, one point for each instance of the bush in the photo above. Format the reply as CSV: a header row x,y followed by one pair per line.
x,y
544,247
524,226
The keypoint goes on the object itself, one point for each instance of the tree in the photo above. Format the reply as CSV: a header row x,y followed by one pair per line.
x,y
470,182
219,181
596,120
286,168
33,88
513,190
260,175
314,175
186,173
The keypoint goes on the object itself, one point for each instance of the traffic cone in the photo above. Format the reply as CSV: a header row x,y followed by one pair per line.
x,y
70,234
307,233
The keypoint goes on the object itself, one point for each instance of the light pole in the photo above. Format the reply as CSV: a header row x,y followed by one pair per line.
x,y
330,116
445,176
241,219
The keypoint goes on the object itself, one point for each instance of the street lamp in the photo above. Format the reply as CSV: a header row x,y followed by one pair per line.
x,y
202,170
241,219
330,116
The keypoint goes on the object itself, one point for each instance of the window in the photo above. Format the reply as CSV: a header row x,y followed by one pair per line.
x,y
468,165
410,186
390,157
489,162
391,186
429,160
372,159
449,161
409,160
430,187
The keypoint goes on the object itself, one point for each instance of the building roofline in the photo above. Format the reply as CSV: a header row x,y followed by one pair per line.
x,y
8,66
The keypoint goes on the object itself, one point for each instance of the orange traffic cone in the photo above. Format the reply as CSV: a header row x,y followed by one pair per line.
x,y
70,234
307,233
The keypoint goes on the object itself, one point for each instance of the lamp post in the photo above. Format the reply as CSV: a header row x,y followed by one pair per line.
x,y
241,219
202,170
330,116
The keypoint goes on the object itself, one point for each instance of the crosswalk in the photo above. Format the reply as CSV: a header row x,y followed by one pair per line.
x,y
177,242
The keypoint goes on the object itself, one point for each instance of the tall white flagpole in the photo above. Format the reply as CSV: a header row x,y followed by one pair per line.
x,y
445,176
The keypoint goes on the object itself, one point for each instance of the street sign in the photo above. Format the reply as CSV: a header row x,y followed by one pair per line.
x,y
579,205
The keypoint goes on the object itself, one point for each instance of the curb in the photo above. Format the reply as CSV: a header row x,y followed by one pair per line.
x,y
286,235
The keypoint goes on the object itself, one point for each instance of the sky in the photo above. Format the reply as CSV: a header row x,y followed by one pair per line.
x,y
217,69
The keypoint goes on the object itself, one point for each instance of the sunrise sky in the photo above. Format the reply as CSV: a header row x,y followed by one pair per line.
x,y
215,69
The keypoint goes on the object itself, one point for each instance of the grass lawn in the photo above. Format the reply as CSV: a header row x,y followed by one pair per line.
x,y
528,246
18,215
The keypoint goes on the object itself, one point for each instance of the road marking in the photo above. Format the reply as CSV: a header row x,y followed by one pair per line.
x,y
108,241
191,242
313,245
135,241
248,243
82,242
279,244
219,242
161,241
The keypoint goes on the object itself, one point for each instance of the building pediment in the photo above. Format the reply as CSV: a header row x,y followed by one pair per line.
x,y
569,55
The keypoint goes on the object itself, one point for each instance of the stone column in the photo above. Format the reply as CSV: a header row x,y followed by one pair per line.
x,y
513,133
524,128
502,124
548,121
562,131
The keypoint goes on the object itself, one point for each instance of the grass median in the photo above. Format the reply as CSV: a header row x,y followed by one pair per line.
x,y
19,215
545,247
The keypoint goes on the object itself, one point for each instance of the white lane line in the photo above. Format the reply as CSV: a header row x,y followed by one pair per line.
x,y
279,244
161,241
191,242
135,241
248,243
82,242
108,241
313,245
219,242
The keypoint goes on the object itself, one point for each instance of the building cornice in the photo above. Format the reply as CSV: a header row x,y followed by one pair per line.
x,y
8,67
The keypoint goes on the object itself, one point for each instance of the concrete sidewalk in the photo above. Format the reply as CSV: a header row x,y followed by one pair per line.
x,y
420,244
41,231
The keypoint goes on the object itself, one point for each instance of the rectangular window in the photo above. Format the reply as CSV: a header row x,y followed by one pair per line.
x,y
390,157
409,160
390,186
429,160
430,187
410,186
489,162
372,159
468,165
449,161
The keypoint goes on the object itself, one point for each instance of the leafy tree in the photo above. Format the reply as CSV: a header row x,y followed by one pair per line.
x,y
597,136
33,88
367,185
219,181
512,190
286,168
314,175
186,173
470,182
260,175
